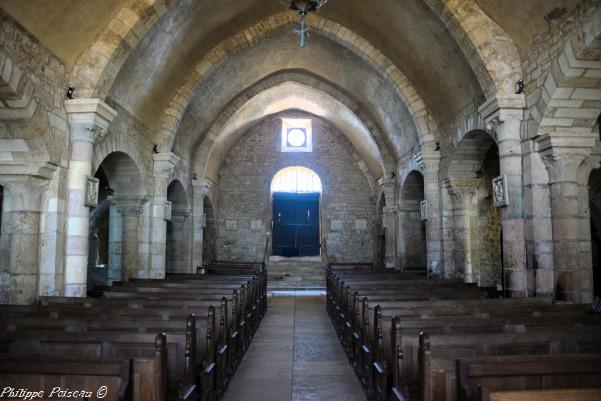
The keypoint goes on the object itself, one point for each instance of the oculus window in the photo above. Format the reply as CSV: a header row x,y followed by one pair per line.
x,y
297,135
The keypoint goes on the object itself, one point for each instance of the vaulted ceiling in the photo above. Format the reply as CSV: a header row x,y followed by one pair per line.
x,y
410,34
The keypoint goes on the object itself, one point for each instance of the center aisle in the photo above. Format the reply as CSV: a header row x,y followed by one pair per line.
x,y
296,356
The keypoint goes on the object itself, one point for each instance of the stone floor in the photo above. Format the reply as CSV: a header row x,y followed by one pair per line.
x,y
295,356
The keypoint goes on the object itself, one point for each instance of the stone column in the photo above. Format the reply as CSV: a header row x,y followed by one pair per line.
x,y
390,221
164,166
26,198
462,195
115,244
130,210
88,120
504,119
429,163
201,189
564,155
538,224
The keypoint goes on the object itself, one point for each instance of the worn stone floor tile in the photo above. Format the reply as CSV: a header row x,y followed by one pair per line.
x,y
242,389
295,355
326,388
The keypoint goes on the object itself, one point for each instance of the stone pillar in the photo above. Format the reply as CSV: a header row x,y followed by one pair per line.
x,y
504,118
115,244
130,210
88,120
564,155
26,198
429,163
462,197
539,227
164,166
201,189
390,221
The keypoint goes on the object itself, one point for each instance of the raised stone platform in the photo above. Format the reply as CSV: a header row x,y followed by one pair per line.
x,y
298,273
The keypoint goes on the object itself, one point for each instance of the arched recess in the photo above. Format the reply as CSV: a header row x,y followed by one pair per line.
x,y
413,250
285,96
172,115
177,249
296,193
209,235
594,185
99,272
477,231
115,221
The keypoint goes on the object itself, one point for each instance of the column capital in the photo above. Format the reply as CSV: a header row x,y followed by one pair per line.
x,y
503,108
201,187
428,162
165,164
503,117
26,192
130,206
563,167
88,118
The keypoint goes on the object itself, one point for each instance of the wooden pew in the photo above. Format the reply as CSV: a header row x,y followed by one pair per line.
x,y
478,378
381,333
579,394
147,381
438,354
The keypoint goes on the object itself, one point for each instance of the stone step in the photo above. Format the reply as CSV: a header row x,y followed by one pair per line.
x,y
295,268
296,274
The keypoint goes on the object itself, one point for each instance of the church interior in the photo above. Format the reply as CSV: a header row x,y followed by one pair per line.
x,y
300,200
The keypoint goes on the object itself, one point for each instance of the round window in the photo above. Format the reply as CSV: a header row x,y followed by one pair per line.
x,y
296,137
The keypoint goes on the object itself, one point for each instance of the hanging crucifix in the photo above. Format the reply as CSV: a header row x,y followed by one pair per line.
x,y
303,7
303,31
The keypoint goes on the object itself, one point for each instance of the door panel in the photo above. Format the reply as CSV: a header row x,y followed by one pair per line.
x,y
296,224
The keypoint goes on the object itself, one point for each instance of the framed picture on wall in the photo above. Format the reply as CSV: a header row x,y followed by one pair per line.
x,y
91,191
167,211
499,191
423,210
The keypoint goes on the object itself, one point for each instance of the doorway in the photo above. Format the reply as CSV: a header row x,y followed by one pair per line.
x,y
296,224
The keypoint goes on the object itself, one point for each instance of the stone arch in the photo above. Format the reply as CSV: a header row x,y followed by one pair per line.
x,y
477,222
97,67
119,143
127,194
123,174
177,227
205,149
489,50
567,102
412,233
169,123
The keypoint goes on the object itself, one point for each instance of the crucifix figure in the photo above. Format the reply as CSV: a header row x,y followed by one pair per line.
x,y
303,31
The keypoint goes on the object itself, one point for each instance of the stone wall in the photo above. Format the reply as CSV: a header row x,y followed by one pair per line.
x,y
244,214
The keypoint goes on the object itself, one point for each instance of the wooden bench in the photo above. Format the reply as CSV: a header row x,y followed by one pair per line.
x,y
579,394
478,377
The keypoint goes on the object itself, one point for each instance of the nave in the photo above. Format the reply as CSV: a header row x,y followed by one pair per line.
x,y
295,356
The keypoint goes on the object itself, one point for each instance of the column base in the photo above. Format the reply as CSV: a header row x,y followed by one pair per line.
x,y
76,290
